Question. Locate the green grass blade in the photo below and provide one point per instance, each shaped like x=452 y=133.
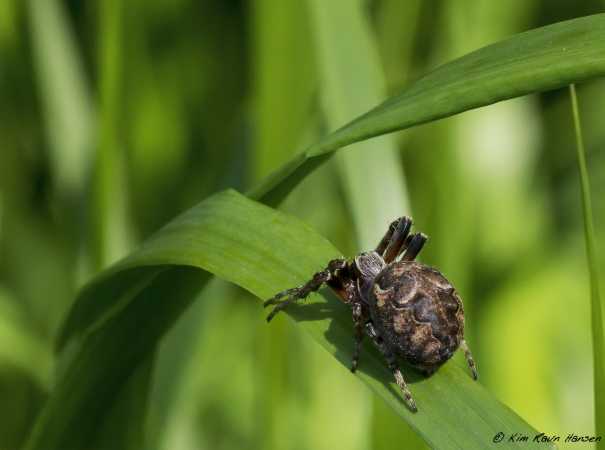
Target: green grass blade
x=110 y=236
x=284 y=96
x=345 y=69
x=598 y=339
x=64 y=95
x=20 y=347
x=234 y=238
x=538 y=60
x=111 y=228
x=397 y=26
x=284 y=81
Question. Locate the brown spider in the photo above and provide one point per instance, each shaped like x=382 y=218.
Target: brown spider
x=408 y=309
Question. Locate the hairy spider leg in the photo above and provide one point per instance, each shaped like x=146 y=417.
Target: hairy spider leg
x=359 y=320
x=413 y=245
x=397 y=239
x=382 y=245
x=386 y=239
x=299 y=293
x=469 y=358
x=392 y=363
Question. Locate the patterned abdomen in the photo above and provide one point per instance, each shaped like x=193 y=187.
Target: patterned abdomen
x=418 y=313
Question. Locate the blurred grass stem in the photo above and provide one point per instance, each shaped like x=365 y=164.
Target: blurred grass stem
x=597 y=311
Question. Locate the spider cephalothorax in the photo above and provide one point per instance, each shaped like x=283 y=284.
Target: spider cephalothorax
x=408 y=309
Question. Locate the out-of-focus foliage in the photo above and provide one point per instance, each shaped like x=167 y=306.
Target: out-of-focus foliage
x=118 y=115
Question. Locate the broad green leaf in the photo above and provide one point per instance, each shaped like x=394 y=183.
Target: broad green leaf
x=598 y=339
x=538 y=60
x=261 y=250
x=93 y=374
x=123 y=428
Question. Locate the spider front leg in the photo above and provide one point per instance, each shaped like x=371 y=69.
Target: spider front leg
x=413 y=245
x=392 y=363
x=298 y=293
x=398 y=241
x=391 y=244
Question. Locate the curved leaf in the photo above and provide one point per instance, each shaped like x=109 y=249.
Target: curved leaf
x=261 y=250
x=538 y=60
x=254 y=247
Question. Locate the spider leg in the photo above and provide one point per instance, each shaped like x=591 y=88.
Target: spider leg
x=413 y=244
x=469 y=358
x=358 y=320
x=392 y=363
x=298 y=293
x=382 y=245
x=395 y=237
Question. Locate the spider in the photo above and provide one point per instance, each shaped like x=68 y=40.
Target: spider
x=408 y=309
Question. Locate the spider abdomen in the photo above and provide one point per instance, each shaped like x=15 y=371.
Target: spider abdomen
x=418 y=313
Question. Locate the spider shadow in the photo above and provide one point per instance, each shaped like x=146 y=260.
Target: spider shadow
x=339 y=333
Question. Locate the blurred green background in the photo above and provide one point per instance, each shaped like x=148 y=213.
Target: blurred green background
x=116 y=116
